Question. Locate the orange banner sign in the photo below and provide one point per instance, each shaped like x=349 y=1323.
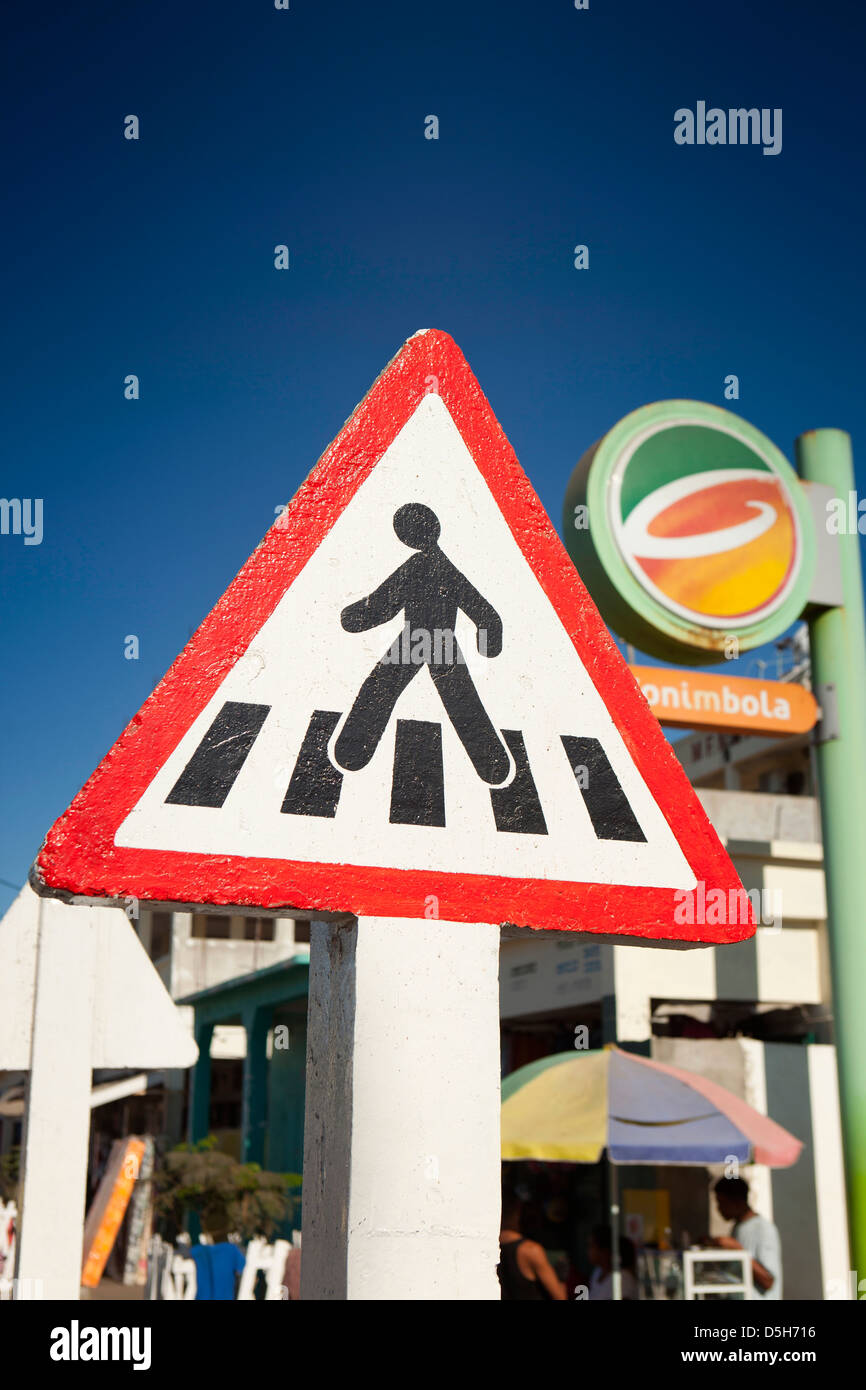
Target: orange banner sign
x=697 y=700
x=109 y=1207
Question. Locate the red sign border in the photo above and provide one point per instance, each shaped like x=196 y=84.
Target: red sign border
x=80 y=860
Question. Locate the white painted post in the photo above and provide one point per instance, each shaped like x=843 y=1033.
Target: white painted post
x=57 y=1122
x=401 y=1148
x=77 y=991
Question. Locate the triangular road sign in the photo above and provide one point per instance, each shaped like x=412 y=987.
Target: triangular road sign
x=405 y=705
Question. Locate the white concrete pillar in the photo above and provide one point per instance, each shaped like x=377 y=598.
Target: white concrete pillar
x=757 y=1175
x=401 y=1147
x=830 y=1176
x=633 y=1001
x=57 y=1126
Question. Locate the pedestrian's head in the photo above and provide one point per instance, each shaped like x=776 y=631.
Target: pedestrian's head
x=512 y=1211
x=732 y=1198
x=601 y=1245
x=417 y=526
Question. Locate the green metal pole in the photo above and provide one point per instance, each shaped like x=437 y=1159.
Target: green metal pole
x=838 y=642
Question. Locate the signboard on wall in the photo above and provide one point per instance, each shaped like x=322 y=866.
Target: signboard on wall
x=698 y=700
x=691 y=531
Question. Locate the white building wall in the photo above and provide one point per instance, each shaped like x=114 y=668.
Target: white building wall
x=830 y=1175
x=196 y=963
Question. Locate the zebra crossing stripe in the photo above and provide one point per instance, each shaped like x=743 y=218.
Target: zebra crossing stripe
x=418 y=781
x=608 y=806
x=315 y=786
x=517 y=808
x=212 y=770
x=418 y=785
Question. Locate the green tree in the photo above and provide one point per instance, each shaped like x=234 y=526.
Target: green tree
x=10 y=1175
x=227 y=1196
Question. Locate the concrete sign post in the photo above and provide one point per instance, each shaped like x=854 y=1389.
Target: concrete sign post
x=401 y=1142
x=405 y=710
x=57 y=1126
x=78 y=992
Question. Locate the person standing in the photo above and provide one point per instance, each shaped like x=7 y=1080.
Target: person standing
x=524 y=1270
x=601 y=1259
x=752 y=1233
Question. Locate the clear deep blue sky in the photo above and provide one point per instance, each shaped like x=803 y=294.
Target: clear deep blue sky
x=306 y=127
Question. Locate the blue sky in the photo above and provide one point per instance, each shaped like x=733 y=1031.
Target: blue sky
x=306 y=127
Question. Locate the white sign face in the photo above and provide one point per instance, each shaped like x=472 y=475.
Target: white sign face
x=499 y=761
x=405 y=705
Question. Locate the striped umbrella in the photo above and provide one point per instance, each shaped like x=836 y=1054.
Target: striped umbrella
x=572 y=1107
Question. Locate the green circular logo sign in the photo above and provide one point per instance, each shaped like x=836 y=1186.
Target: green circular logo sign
x=689 y=527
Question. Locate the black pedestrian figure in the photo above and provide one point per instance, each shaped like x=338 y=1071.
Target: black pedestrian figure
x=431 y=590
